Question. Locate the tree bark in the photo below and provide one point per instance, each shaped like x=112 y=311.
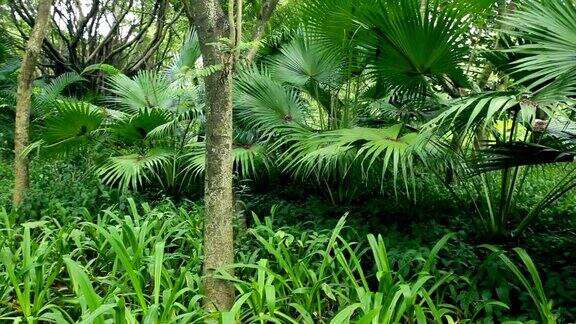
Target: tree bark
x=23 y=100
x=212 y=25
x=265 y=14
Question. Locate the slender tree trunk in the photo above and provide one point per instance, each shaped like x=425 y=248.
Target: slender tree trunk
x=265 y=14
x=212 y=25
x=23 y=100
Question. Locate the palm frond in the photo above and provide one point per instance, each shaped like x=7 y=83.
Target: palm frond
x=548 y=28
x=562 y=129
x=145 y=91
x=307 y=67
x=187 y=57
x=70 y=125
x=334 y=24
x=139 y=126
x=506 y=155
x=376 y=151
x=7 y=116
x=106 y=68
x=7 y=98
x=7 y=73
x=300 y=63
x=471 y=113
x=133 y=170
x=55 y=88
x=193 y=160
x=251 y=158
x=3 y=49
x=406 y=49
x=179 y=125
x=265 y=104
x=409 y=47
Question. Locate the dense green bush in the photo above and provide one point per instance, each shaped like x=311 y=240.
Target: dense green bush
x=58 y=187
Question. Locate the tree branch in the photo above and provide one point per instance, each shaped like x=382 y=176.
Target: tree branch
x=265 y=13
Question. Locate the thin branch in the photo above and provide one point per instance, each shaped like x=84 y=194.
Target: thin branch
x=83 y=23
x=113 y=31
x=265 y=13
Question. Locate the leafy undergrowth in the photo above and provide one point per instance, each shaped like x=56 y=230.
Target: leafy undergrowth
x=408 y=229
x=142 y=264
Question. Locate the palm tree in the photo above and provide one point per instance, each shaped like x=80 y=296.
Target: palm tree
x=343 y=101
x=153 y=123
x=526 y=125
x=150 y=119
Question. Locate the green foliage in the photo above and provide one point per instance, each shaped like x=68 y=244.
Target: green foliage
x=319 y=276
x=131 y=171
x=319 y=155
x=70 y=125
x=111 y=269
x=374 y=108
x=146 y=90
x=532 y=285
x=548 y=28
x=106 y=68
x=396 y=38
x=136 y=262
x=55 y=89
x=500 y=130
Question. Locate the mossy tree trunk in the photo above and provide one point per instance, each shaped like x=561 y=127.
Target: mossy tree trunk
x=24 y=99
x=212 y=26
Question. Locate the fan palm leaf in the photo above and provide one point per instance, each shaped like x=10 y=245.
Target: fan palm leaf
x=320 y=74
x=145 y=91
x=406 y=48
x=139 y=126
x=251 y=160
x=371 y=149
x=465 y=116
x=70 y=125
x=506 y=155
x=43 y=102
x=410 y=47
x=7 y=73
x=265 y=104
x=548 y=63
x=502 y=156
x=334 y=24
x=133 y=170
x=300 y=63
x=56 y=86
x=187 y=57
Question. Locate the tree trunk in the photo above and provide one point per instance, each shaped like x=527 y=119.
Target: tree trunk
x=265 y=14
x=212 y=25
x=23 y=100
